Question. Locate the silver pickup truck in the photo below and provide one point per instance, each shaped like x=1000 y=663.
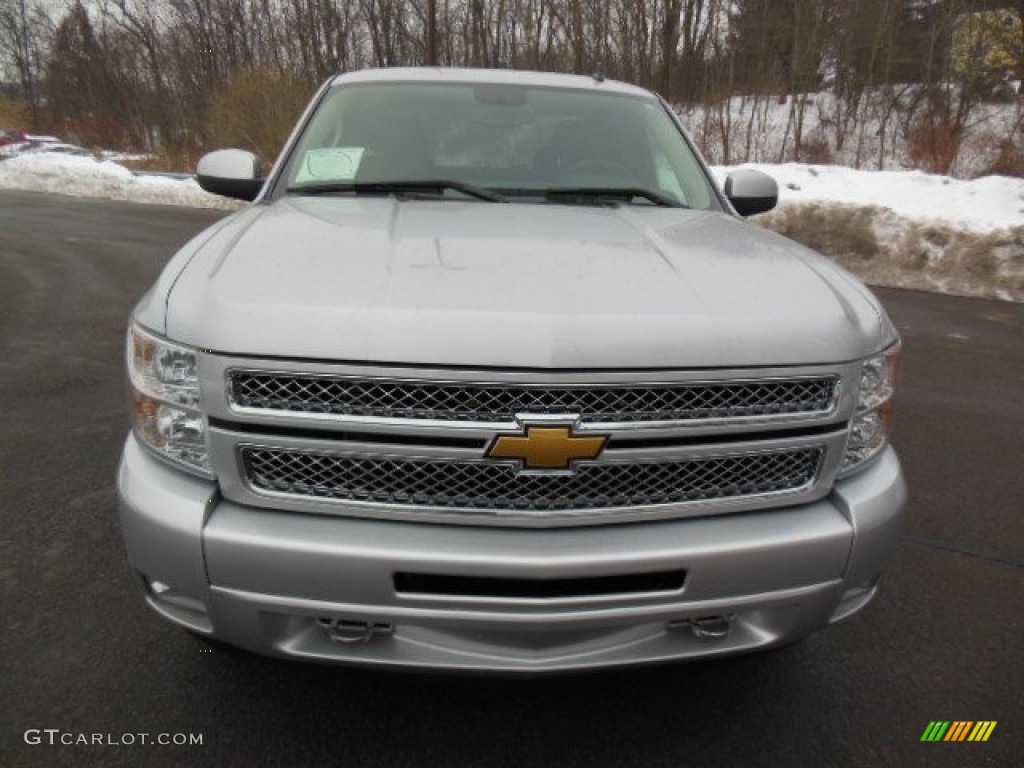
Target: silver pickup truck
x=492 y=376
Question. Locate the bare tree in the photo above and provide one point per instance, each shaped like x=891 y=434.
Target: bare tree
x=25 y=34
x=886 y=64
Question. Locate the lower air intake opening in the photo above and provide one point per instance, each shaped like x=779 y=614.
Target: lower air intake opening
x=595 y=586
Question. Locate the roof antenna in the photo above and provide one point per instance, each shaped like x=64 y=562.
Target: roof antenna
x=599 y=74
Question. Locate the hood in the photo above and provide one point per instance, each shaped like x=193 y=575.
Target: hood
x=515 y=285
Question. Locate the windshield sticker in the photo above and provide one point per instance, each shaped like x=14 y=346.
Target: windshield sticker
x=330 y=164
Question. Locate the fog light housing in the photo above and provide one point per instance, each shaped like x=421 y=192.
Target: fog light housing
x=177 y=606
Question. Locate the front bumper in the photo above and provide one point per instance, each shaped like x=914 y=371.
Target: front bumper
x=282 y=583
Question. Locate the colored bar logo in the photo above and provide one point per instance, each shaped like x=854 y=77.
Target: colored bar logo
x=958 y=730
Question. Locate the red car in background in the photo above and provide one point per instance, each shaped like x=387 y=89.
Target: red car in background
x=12 y=137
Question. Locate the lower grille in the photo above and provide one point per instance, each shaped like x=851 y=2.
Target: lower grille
x=483 y=586
x=485 y=485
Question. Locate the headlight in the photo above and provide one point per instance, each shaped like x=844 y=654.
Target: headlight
x=165 y=400
x=872 y=423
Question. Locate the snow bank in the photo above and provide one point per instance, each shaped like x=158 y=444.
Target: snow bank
x=981 y=205
x=87 y=177
x=905 y=229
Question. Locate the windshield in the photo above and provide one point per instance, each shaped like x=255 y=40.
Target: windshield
x=524 y=142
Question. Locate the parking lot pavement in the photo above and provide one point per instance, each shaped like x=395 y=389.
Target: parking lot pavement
x=81 y=654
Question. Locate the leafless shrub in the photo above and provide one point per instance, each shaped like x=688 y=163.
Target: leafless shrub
x=933 y=143
x=815 y=149
x=1009 y=159
x=97 y=131
x=14 y=113
x=255 y=110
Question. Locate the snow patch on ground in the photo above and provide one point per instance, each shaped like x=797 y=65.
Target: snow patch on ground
x=88 y=177
x=981 y=205
x=905 y=229
x=120 y=157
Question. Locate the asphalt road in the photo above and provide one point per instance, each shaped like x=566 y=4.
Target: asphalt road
x=80 y=653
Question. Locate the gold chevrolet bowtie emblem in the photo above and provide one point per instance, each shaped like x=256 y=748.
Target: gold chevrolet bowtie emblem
x=547 y=447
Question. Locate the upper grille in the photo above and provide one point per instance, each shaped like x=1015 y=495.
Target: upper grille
x=485 y=402
x=464 y=484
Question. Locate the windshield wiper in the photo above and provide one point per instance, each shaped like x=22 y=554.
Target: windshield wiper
x=611 y=193
x=396 y=187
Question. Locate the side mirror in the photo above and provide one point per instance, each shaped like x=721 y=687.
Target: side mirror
x=751 y=192
x=230 y=172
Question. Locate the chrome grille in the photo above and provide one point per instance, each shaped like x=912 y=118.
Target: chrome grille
x=482 y=485
x=480 y=402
